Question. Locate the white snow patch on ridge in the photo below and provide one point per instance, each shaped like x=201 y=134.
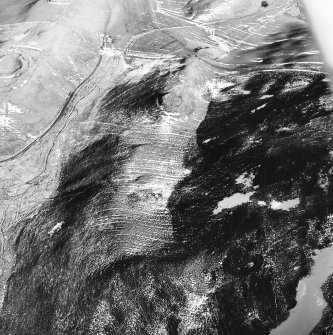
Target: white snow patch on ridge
x=285 y=205
x=246 y=179
x=266 y=96
x=233 y=201
x=55 y=229
x=261 y=107
x=262 y=203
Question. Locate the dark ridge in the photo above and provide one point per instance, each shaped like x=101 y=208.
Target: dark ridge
x=46 y=260
x=140 y=96
x=90 y=166
x=285 y=141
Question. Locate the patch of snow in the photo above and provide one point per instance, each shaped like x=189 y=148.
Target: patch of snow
x=256 y=60
x=187 y=171
x=253 y=140
x=261 y=107
x=266 y=96
x=233 y=201
x=285 y=205
x=55 y=229
x=262 y=203
x=245 y=179
x=209 y=140
x=284 y=129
